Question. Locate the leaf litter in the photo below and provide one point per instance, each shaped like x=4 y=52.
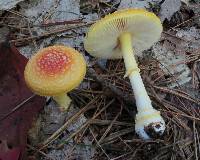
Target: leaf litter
x=101 y=123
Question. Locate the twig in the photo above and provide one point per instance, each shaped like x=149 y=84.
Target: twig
x=17 y=107
x=47 y=34
x=126 y=97
x=85 y=124
x=195 y=141
x=67 y=123
x=175 y=36
x=106 y=122
x=42 y=153
x=31 y=34
x=182 y=95
x=118 y=134
x=134 y=153
x=98 y=143
x=184 y=22
x=126 y=144
x=121 y=156
x=56 y=23
x=110 y=126
x=184 y=115
x=198 y=140
x=74 y=21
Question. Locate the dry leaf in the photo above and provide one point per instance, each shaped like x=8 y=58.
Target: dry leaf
x=168 y=8
x=15 y=121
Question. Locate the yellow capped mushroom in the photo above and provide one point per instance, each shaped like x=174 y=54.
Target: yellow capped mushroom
x=124 y=34
x=54 y=71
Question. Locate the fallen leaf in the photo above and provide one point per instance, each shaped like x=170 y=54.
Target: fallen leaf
x=137 y=3
x=8 y=4
x=8 y=154
x=46 y=11
x=18 y=106
x=172 y=63
x=168 y=8
x=12 y=154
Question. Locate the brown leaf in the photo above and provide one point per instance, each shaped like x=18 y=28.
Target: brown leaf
x=8 y=154
x=15 y=116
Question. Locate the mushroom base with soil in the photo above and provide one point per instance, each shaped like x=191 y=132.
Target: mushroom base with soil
x=147 y=118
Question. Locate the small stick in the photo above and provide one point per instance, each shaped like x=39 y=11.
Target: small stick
x=31 y=34
x=60 y=30
x=98 y=143
x=67 y=123
x=107 y=122
x=110 y=126
x=17 y=107
x=182 y=95
x=85 y=124
x=118 y=134
x=197 y=16
x=42 y=153
x=195 y=140
x=75 y=21
x=98 y=78
x=184 y=115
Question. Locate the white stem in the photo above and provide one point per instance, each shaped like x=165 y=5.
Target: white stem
x=147 y=119
x=143 y=101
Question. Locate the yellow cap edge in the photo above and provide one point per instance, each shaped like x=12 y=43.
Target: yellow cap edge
x=72 y=85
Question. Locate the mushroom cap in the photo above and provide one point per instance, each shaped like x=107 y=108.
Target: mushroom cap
x=102 y=39
x=55 y=70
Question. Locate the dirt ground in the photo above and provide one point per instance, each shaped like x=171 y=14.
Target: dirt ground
x=100 y=122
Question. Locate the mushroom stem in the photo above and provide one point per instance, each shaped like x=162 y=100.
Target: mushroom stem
x=63 y=101
x=149 y=122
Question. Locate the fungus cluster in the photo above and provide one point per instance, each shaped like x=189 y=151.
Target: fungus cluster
x=54 y=71
x=127 y=33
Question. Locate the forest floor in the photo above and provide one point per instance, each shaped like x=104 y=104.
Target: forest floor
x=100 y=122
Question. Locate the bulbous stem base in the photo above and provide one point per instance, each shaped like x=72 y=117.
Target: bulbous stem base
x=149 y=124
x=148 y=120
